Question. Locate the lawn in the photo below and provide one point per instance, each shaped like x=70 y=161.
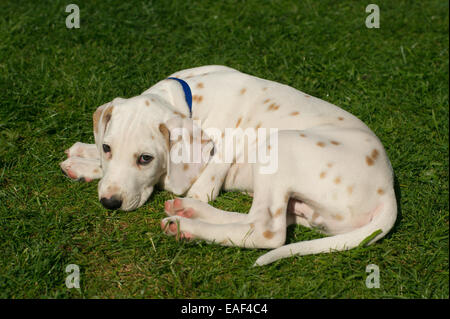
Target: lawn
x=394 y=78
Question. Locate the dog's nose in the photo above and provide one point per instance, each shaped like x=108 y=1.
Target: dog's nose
x=111 y=203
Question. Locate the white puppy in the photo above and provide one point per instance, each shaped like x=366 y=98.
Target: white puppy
x=331 y=171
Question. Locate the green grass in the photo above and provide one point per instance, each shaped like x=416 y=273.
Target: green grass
x=51 y=80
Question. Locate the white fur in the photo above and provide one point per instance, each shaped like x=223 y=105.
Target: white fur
x=333 y=172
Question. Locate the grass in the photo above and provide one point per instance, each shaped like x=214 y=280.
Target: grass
x=394 y=78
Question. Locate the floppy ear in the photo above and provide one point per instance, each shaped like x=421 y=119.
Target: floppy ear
x=190 y=150
x=101 y=118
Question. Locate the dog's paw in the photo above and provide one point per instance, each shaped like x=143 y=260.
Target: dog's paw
x=83 y=150
x=176 y=207
x=81 y=169
x=172 y=227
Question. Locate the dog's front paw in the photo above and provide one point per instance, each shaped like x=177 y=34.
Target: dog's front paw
x=81 y=169
x=172 y=227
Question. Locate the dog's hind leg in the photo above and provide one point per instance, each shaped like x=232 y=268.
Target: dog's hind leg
x=263 y=227
x=196 y=209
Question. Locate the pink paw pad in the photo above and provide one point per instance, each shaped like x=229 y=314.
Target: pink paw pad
x=187 y=213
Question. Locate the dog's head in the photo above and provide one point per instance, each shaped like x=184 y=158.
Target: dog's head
x=134 y=141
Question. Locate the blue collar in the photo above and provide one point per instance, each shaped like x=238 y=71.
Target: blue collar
x=187 y=93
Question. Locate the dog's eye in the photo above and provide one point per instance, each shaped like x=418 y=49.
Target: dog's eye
x=106 y=148
x=144 y=159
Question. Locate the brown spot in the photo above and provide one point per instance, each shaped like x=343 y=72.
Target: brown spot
x=152 y=137
x=147 y=103
x=330 y=164
x=165 y=132
x=96 y=171
x=374 y=154
x=192 y=181
x=200 y=85
x=369 y=161
x=243 y=91
x=307 y=96
x=266 y=101
x=213 y=178
x=286 y=197
x=238 y=122
x=337 y=180
x=258 y=126
x=321 y=144
x=335 y=143
x=338 y=217
x=252 y=225
x=380 y=191
x=350 y=189
x=323 y=174
x=340 y=118
x=268 y=147
x=302 y=135
x=268 y=234
x=264 y=89
x=198 y=98
x=107 y=116
x=273 y=106
x=185 y=167
x=179 y=114
x=294 y=113
x=278 y=212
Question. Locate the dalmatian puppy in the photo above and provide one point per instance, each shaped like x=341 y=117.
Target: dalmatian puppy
x=331 y=171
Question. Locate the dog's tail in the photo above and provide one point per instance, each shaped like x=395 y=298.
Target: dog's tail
x=378 y=227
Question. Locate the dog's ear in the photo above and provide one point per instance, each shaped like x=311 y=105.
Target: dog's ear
x=101 y=118
x=190 y=149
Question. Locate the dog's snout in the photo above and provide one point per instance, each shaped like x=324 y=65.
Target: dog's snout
x=113 y=202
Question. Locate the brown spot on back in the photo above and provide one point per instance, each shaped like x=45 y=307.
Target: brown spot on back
x=264 y=89
x=243 y=91
x=294 y=113
x=213 y=178
x=147 y=103
x=198 y=98
x=338 y=217
x=374 y=154
x=335 y=143
x=330 y=164
x=337 y=180
x=268 y=234
x=369 y=161
x=321 y=144
x=200 y=85
x=185 y=167
x=380 y=191
x=239 y=121
x=302 y=135
x=96 y=171
x=340 y=118
x=266 y=101
x=323 y=174
x=258 y=126
x=273 y=107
